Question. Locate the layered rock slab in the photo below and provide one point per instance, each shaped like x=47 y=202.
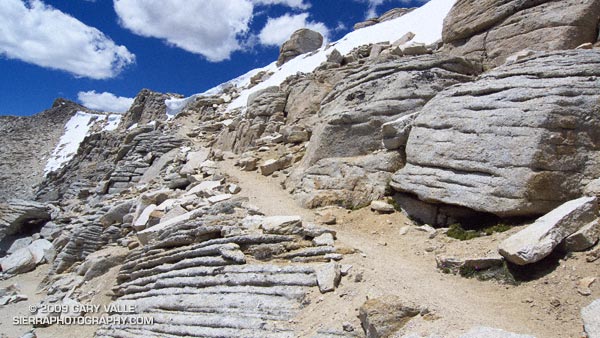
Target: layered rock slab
x=492 y=30
x=519 y=141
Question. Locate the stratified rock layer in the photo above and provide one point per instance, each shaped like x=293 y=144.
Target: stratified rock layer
x=519 y=141
x=492 y=30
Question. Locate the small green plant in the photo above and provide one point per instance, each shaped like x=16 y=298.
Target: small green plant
x=456 y=231
x=394 y=203
x=500 y=227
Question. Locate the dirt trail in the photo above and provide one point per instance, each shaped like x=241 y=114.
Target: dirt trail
x=404 y=265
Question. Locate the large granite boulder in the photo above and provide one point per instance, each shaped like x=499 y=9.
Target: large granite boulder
x=519 y=141
x=492 y=30
x=302 y=41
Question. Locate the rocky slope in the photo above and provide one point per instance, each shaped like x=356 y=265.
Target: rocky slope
x=26 y=145
x=392 y=191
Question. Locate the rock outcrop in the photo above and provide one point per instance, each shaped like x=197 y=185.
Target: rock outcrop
x=26 y=143
x=389 y=15
x=148 y=106
x=351 y=118
x=491 y=31
x=18 y=216
x=302 y=41
x=519 y=141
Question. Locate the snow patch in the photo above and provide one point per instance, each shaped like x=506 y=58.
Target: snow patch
x=425 y=22
x=76 y=129
x=112 y=122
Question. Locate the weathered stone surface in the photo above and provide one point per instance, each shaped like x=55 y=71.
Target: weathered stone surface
x=591 y=319
x=116 y=213
x=492 y=31
x=302 y=41
x=328 y=277
x=374 y=94
x=142 y=220
x=584 y=238
x=389 y=15
x=269 y=166
x=395 y=133
x=282 y=225
x=352 y=182
x=148 y=106
x=20 y=261
x=101 y=261
x=38 y=249
x=382 y=207
x=519 y=141
x=266 y=102
x=382 y=317
x=538 y=240
x=19 y=215
x=488 y=332
x=194 y=159
x=26 y=142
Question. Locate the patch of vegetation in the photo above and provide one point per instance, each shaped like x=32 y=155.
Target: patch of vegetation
x=499 y=273
x=500 y=227
x=458 y=232
x=394 y=203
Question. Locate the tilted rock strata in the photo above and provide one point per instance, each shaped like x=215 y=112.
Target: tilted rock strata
x=519 y=141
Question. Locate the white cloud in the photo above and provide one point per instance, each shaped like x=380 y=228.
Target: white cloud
x=299 y=4
x=211 y=28
x=44 y=36
x=106 y=102
x=278 y=30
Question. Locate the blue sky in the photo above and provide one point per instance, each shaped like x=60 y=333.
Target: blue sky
x=103 y=52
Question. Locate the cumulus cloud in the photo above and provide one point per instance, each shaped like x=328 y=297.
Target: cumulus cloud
x=211 y=28
x=39 y=34
x=107 y=102
x=278 y=30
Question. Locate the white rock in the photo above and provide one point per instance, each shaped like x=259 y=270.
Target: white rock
x=328 y=277
x=142 y=221
x=194 y=160
x=219 y=198
x=152 y=233
x=19 y=244
x=584 y=238
x=382 y=207
x=38 y=249
x=282 y=225
x=324 y=239
x=205 y=188
x=269 y=167
x=20 y=261
x=539 y=239
x=591 y=319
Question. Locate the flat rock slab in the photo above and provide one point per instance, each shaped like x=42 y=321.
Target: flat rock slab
x=538 y=240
